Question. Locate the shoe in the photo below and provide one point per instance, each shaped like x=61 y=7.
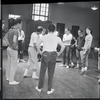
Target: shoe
x=61 y=65
x=7 y=79
x=13 y=83
x=49 y=92
x=98 y=81
x=21 y=60
x=39 y=90
x=85 y=68
x=67 y=66
x=17 y=60
x=35 y=77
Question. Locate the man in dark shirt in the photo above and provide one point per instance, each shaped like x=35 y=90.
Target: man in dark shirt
x=79 y=45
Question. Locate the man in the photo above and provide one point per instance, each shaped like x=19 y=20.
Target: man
x=67 y=37
x=12 y=51
x=32 y=51
x=21 y=37
x=86 y=50
x=98 y=49
x=79 y=44
x=49 y=54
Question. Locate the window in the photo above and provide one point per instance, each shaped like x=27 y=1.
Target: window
x=40 y=11
x=14 y=16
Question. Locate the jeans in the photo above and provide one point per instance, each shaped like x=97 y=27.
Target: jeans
x=84 y=60
x=66 y=55
x=12 y=56
x=20 y=49
x=48 y=61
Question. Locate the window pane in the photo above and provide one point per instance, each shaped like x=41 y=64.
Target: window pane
x=43 y=5
x=37 y=8
x=37 y=12
x=47 y=5
x=42 y=13
x=42 y=8
x=45 y=18
x=46 y=13
x=42 y=18
x=37 y=5
x=36 y=17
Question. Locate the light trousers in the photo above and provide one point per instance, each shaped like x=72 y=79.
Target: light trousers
x=11 y=68
x=33 y=60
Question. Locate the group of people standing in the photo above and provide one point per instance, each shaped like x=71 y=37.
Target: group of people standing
x=46 y=45
x=82 y=47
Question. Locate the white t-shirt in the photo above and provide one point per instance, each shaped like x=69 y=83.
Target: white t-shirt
x=88 y=41
x=40 y=36
x=34 y=38
x=21 y=35
x=67 y=38
x=50 y=42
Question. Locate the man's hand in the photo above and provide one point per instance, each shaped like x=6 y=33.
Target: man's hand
x=58 y=54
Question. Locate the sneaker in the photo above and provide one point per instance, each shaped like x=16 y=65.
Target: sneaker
x=39 y=90
x=7 y=79
x=61 y=65
x=85 y=68
x=13 y=83
x=21 y=60
x=49 y=92
x=77 y=66
x=67 y=66
x=98 y=81
x=35 y=77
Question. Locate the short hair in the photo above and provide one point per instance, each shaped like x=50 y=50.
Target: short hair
x=51 y=28
x=80 y=30
x=17 y=21
x=39 y=29
x=90 y=28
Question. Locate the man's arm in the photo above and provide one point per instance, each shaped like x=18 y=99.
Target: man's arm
x=62 y=47
x=38 y=46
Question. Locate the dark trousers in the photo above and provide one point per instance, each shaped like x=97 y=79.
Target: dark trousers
x=20 y=49
x=48 y=60
x=66 y=55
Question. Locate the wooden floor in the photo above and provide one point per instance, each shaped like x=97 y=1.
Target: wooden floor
x=67 y=83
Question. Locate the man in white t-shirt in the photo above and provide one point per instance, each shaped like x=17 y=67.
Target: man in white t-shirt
x=21 y=38
x=49 y=54
x=32 y=52
x=67 y=37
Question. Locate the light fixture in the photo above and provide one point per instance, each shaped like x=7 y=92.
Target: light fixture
x=94 y=8
x=60 y=3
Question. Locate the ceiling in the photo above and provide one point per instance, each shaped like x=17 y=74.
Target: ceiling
x=86 y=5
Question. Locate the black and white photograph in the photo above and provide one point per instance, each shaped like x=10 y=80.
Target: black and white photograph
x=50 y=50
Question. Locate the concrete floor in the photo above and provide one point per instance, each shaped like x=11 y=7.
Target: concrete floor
x=68 y=83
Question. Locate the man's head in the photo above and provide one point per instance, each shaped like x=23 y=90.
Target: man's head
x=39 y=29
x=18 y=23
x=67 y=31
x=80 y=32
x=51 y=28
x=88 y=30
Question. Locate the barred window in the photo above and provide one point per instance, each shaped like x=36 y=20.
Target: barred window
x=13 y=16
x=40 y=11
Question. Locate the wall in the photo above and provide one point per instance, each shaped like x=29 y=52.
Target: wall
x=60 y=14
x=74 y=16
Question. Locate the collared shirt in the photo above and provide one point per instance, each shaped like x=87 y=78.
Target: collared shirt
x=80 y=42
x=88 y=41
x=34 y=38
x=50 y=42
x=67 y=38
x=21 y=35
x=11 y=34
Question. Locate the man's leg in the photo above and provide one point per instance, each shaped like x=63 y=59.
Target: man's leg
x=51 y=69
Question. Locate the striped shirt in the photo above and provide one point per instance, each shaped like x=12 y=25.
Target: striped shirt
x=11 y=34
